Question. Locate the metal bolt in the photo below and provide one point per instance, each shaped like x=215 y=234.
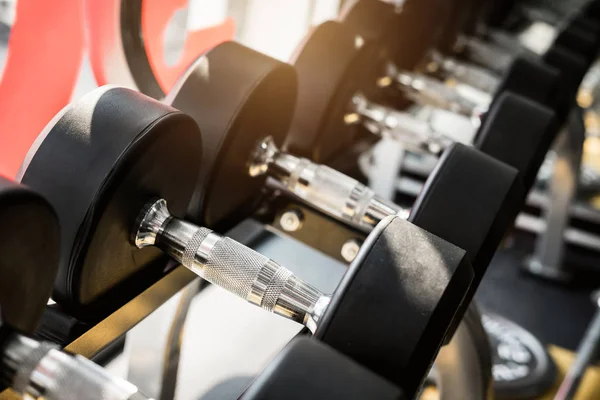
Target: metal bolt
x=291 y=220
x=350 y=249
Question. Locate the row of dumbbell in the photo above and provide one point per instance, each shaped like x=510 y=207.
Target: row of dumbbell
x=118 y=150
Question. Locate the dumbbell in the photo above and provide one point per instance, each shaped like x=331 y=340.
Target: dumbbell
x=574 y=26
x=510 y=13
x=451 y=196
x=309 y=369
x=86 y=278
x=530 y=78
x=575 y=45
x=143 y=149
x=330 y=64
x=28 y=266
x=379 y=21
x=332 y=73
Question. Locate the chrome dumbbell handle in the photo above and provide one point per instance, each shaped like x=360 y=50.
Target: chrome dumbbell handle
x=477 y=77
x=322 y=187
x=41 y=370
x=426 y=90
x=414 y=133
x=489 y=55
x=231 y=266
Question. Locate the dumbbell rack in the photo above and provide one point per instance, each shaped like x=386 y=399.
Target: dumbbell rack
x=578 y=222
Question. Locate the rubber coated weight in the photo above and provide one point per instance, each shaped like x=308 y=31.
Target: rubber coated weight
x=533 y=80
x=331 y=70
x=475 y=192
x=465 y=199
x=238 y=97
x=416 y=27
x=393 y=306
x=459 y=21
x=573 y=68
x=592 y=11
x=97 y=163
x=378 y=20
x=583 y=42
x=29 y=253
x=518 y=132
x=474 y=10
x=525 y=77
x=469 y=189
x=497 y=12
x=308 y=369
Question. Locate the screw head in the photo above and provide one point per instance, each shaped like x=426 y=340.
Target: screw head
x=291 y=220
x=350 y=249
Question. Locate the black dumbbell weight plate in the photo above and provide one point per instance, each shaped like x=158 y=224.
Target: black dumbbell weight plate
x=583 y=41
x=469 y=199
x=333 y=65
x=573 y=68
x=518 y=132
x=456 y=15
x=308 y=369
x=374 y=20
x=532 y=79
x=238 y=97
x=410 y=32
x=97 y=163
x=402 y=273
x=29 y=252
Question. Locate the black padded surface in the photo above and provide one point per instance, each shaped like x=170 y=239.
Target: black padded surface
x=497 y=12
x=331 y=70
x=307 y=369
x=518 y=132
x=572 y=68
x=29 y=253
x=580 y=40
x=409 y=34
x=458 y=18
x=237 y=96
x=532 y=79
x=393 y=307
x=98 y=163
x=374 y=20
x=473 y=191
x=476 y=193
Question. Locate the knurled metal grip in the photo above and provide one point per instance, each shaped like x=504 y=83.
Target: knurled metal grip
x=231 y=266
x=22 y=361
x=323 y=188
x=228 y=264
x=191 y=248
x=275 y=288
x=37 y=369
